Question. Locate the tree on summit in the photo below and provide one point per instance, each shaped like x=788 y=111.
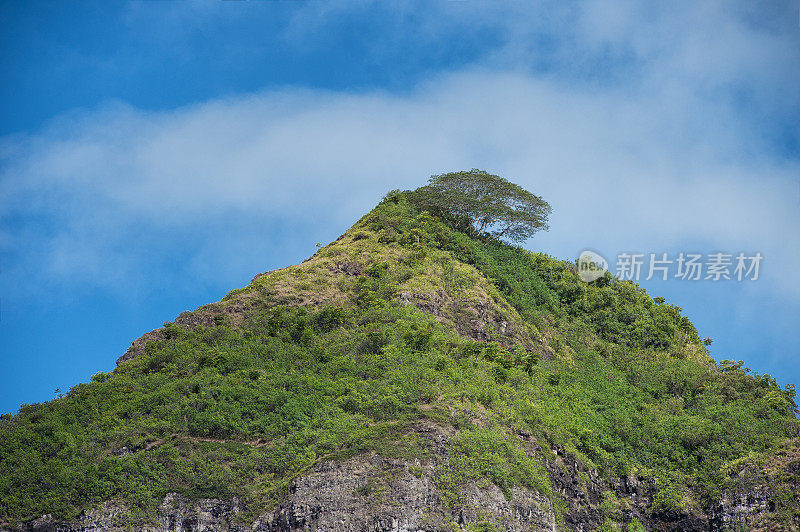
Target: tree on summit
x=477 y=201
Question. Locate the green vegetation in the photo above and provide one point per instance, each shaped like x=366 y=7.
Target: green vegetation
x=620 y=381
x=485 y=456
x=476 y=201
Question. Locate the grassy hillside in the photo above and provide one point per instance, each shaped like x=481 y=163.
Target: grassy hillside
x=402 y=319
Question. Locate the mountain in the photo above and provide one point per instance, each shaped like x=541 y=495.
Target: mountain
x=410 y=376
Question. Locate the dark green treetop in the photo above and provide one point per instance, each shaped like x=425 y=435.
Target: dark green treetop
x=486 y=204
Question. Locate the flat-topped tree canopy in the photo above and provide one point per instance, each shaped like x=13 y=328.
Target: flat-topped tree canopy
x=488 y=204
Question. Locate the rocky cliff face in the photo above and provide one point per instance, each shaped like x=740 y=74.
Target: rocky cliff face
x=364 y=493
x=372 y=493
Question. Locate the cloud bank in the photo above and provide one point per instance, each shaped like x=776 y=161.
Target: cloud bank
x=658 y=122
x=96 y=193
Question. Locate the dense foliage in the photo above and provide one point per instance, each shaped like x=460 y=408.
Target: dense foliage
x=239 y=409
x=483 y=203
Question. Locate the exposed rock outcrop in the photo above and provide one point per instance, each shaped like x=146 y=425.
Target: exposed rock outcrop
x=364 y=493
x=373 y=493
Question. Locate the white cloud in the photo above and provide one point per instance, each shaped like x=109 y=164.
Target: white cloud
x=105 y=179
x=634 y=119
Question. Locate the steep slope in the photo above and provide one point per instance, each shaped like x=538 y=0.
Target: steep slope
x=411 y=377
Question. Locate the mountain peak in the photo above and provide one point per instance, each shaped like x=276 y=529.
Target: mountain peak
x=414 y=374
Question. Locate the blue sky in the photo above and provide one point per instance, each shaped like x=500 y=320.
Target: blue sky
x=155 y=155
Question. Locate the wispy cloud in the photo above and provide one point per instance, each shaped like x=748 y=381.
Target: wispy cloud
x=669 y=122
x=88 y=193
